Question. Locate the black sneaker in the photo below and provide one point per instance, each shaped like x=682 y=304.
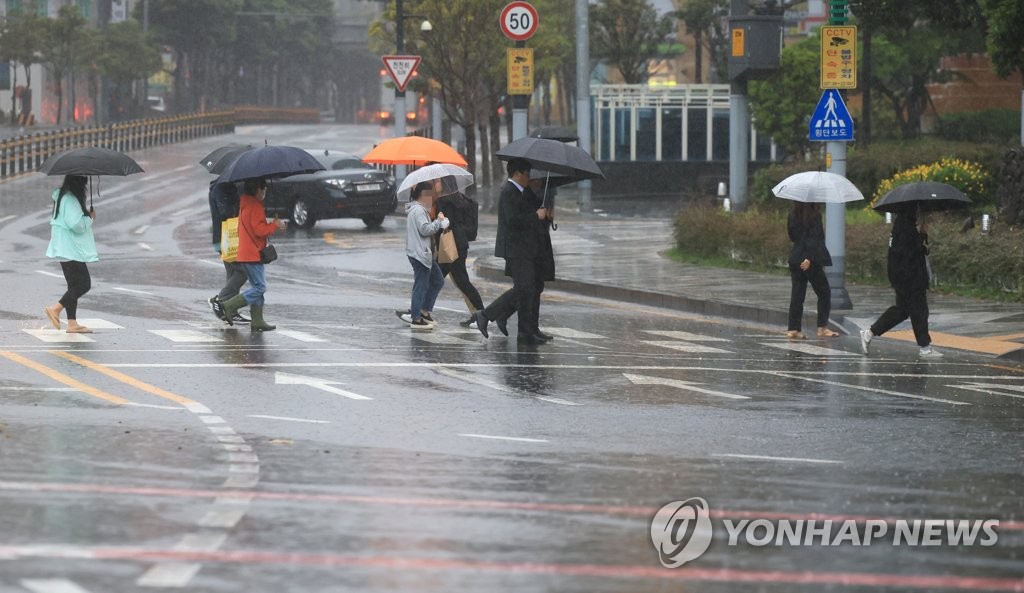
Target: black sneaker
x=428 y=318
x=217 y=308
x=469 y=322
x=239 y=318
x=421 y=325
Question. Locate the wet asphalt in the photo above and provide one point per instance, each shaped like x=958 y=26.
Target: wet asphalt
x=345 y=453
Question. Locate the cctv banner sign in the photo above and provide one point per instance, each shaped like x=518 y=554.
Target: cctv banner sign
x=520 y=70
x=838 y=57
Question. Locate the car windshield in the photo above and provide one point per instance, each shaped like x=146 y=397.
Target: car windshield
x=350 y=164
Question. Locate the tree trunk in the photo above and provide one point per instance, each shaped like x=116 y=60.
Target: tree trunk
x=698 y=56
x=470 y=129
x=495 y=146
x=14 y=106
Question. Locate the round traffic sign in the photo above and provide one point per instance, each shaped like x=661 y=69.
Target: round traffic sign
x=519 y=20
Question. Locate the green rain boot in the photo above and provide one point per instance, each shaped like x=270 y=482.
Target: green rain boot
x=231 y=306
x=258 y=324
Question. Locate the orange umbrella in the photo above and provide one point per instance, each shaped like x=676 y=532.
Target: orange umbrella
x=413 y=150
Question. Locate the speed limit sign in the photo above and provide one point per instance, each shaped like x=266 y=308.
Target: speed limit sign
x=519 y=21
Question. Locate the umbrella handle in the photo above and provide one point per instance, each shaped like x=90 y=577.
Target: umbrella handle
x=554 y=225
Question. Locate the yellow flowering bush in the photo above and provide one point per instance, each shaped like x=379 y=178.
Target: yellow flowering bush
x=967 y=176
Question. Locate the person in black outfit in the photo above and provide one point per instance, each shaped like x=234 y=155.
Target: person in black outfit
x=462 y=213
x=909 y=276
x=223 y=199
x=517 y=242
x=807 y=261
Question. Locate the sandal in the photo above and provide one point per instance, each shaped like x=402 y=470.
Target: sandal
x=794 y=334
x=79 y=329
x=824 y=332
x=53 y=317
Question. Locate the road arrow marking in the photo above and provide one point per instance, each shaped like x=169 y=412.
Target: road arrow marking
x=321 y=384
x=989 y=387
x=685 y=385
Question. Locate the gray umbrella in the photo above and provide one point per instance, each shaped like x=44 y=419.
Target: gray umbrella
x=91 y=160
x=560 y=133
x=930 y=196
x=220 y=158
x=553 y=156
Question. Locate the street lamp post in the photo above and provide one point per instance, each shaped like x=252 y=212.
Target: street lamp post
x=399 y=106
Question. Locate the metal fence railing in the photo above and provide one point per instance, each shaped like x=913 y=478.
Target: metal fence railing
x=26 y=153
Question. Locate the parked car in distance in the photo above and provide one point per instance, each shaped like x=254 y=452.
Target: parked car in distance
x=156 y=103
x=348 y=188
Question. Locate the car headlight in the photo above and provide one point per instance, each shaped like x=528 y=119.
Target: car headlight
x=391 y=179
x=338 y=183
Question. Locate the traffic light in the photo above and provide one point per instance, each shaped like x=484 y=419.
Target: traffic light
x=838 y=11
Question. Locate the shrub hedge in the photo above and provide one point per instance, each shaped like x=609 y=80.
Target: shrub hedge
x=964 y=262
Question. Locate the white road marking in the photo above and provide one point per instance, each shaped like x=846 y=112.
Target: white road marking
x=575 y=334
x=298 y=281
x=212 y=420
x=57 y=336
x=242 y=458
x=237 y=468
x=871 y=389
x=770 y=458
x=34 y=389
x=485 y=382
x=321 y=384
x=141 y=230
x=226 y=438
x=133 y=291
x=169 y=574
x=684 y=385
x=500 y=438
x=981 y=388
x=96 y=323
x=184 y=335
x=687 y=336
x=145 y=246
x=181 y=213
x=240 y=482
x=236 y=447
x=685 y=346
x=438 y=338
x=45 y=273
x=222 y=518
x=288 y=419
x=809 y=349
x=8 y=217
x=155 y=406
x=200 y=542
x=52 y=586
x=300 y=336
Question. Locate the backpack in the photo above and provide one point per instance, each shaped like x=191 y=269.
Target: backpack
x=472 y=217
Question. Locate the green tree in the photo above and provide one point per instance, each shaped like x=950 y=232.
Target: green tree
x=626 y=34
x=128 y=55
x=782 y=104
x=64 y=36
x=22 y=38
x=1005 y=35
x=704 y=20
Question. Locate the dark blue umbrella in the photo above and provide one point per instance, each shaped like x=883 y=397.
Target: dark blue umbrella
x=554 y=156
x=268 y=162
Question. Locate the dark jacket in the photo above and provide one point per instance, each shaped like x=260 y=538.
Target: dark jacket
x=223 y=199
x=517 y=224
x=462 y=214
x=546 y=254
x=908 y=248
x=808 y=237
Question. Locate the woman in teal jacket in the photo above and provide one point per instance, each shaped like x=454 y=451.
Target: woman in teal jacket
x=72 y=244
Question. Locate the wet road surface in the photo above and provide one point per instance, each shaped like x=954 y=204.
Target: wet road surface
x=345 y=453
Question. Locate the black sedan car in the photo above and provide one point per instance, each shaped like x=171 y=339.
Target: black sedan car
x=348 y=188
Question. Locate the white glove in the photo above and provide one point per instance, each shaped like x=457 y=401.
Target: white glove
x=444 y=223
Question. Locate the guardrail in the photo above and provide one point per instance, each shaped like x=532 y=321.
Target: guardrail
x=26 y=153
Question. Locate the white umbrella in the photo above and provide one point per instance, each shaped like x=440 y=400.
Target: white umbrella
x=817 y=186
x=453 y=178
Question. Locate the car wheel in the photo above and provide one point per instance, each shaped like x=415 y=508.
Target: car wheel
x=373 y=221
x=301 y=216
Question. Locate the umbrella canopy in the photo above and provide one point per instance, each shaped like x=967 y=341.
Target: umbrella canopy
x=413 y=150
x=560 y=133
x=268 y=162
x=454 y=179
x=219 y=159
x=552 y=179
x=817 y=186
x=553 y=156
x=91 y=160
x=928 y=195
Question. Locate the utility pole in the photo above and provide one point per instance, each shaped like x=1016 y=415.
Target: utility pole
x=835 y=214
x=583 y=94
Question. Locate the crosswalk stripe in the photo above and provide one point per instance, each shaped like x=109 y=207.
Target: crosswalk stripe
x=681 y=335
x=441 y=339
x=52 y=586
x=96 y=323
x=809 y=349
x=572 y=334
x=685 y=346
x=184 y=335
x=300 y=336
x=57 y=336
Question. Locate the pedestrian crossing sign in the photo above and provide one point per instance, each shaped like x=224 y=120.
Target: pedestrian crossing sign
x=831 y=120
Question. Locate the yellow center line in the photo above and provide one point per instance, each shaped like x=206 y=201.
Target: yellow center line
x=132 y=381
x=62 y=378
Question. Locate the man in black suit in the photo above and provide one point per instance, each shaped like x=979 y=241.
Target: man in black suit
x=517 y=241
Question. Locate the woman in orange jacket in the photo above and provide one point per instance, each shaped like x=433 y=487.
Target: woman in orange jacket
x=253 y=230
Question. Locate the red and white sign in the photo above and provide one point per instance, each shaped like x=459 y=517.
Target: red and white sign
x=519 y=21
x=401 y=69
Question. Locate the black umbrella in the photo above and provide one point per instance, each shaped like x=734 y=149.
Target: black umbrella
x=219 y=159
x=91 y=160
x=553 y=156
x=930 y=196
x=560 y=133
x=270 y=161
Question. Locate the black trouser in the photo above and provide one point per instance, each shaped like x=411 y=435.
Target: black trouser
x=235 y=277
x=816 y=276
x=460 y=276
x=76 y=274
x=908 y=304
x=521 y=299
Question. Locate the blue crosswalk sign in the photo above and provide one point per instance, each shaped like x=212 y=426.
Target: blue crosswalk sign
x=831 y=120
